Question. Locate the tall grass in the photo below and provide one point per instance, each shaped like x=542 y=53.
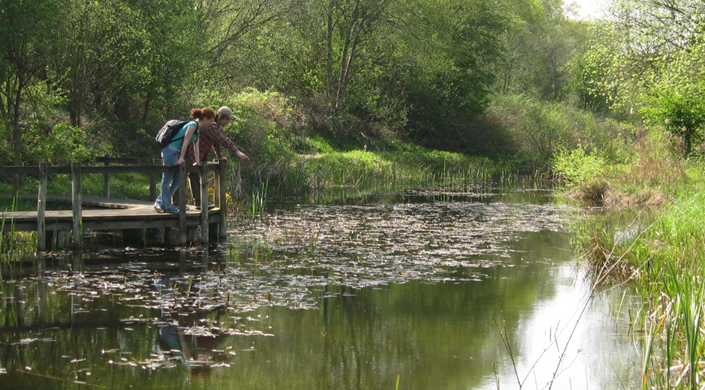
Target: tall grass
x=665 y=264
x=259 y=199
x=14 y=244
x=337 y=175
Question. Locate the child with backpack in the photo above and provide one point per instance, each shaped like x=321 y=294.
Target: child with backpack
x=175 y=143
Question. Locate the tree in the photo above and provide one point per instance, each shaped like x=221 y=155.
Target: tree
x=24 y=28
x=659 y=63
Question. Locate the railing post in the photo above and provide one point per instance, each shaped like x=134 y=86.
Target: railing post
x=76 y=201
x=41 y=208
x=222 y=200
x=153 y=182
x=182 y=205
x=152 y=187
x=216 y=185
x=204 y=202
x=106 y=181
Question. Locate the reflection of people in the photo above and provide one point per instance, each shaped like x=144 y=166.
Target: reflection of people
x=213 y=137
x=174 y=153
x=197 y=353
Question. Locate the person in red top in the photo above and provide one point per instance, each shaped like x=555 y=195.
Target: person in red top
x=213 y=137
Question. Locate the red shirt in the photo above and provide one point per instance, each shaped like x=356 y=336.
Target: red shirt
x=214 y=137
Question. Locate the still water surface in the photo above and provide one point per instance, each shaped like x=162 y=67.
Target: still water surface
x=431 y=289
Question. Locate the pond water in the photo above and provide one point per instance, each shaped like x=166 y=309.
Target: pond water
x=429 y=290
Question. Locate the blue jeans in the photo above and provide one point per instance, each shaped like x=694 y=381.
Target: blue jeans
x=170 y=180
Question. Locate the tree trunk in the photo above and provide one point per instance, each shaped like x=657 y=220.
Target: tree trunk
x=351 y=38
x=17 y=135
x=329 y=55
x=344 y=76
x=147 y=103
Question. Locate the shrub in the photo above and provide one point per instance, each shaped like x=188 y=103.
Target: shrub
x=680 y=110
x=538 y=129
x=63 y=144
x=577 y=167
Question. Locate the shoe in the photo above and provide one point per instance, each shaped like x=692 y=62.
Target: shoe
x=172 y=211
x=158 y=209
x=187 y=208
x=210 y=206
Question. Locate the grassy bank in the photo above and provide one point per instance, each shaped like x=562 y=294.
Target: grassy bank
x=651 y=171
x=659 y=254
x=663 y=260
x=360 y=171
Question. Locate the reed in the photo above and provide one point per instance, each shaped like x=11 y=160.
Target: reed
x=665 y=265
x=14 y=244
x=340 y=175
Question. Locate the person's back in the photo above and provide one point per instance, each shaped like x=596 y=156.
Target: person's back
x=178 y=140
x=174 y=153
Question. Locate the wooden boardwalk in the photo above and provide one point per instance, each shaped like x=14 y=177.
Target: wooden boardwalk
x=117 y=214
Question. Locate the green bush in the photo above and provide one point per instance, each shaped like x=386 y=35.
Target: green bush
x=680 y=110
x=576 y=167
x=66 y=144
x=538 y=129
x=62 y=144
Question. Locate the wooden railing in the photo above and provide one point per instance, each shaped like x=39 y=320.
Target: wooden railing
x=130 y=161
x=76 y=170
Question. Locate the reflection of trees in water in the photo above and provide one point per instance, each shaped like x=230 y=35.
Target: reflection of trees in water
x=63 y=334
x=364 y=331
x=360 y=338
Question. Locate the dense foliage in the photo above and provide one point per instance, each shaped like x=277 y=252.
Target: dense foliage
x=420 y=71
x=507 y=79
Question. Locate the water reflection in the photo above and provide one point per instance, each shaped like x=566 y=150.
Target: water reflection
x=422 y=290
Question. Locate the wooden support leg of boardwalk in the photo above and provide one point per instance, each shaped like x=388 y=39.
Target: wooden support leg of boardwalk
x=76 y=201
x=182 y=206
x=222 y=200
x=152 y=187
x=106 y=182
x=204 y=204
x=41 y=208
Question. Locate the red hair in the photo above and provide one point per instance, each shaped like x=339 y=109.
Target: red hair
x=201 y=113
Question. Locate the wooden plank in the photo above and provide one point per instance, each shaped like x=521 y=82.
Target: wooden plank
x=152 y=187
x=106 y=182
x=222 y=200
x=53 y=170
x=18 y=170
x=138 y=212
x=128 y=169
x=62 y=220
x=140 y=224
x=77 y=205
x=204 y=204
x=96 y=201
x=120 y=160
x=41 y=208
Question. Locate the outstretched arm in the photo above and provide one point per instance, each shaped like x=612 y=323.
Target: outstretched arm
x=187 y=138
x=222 y=141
